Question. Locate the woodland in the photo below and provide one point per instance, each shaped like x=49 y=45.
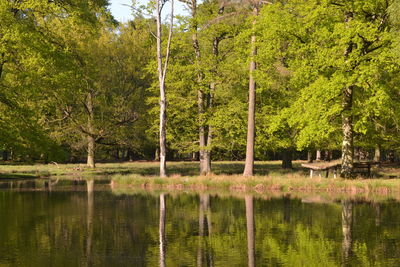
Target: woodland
x=232 y=80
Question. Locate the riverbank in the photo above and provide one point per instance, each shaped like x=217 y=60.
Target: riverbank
x=288 y=183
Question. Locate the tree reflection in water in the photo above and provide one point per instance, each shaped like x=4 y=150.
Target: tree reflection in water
x=74 y=228
x=250 y=230
x=89 y=221
x=204 y=250
x=162 y=230
x=347 y=225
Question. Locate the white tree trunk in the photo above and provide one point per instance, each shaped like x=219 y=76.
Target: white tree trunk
x=162 y=71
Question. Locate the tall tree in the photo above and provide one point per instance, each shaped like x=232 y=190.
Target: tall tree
x=162 y=71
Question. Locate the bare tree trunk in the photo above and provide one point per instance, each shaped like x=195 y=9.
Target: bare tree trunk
x=250 y=230
x=163 y=133
x=347 y=224
x=90 y=137
x=377 y=155
x=347 y=126
x=162 y=71
x=249 y=165
x=162 y=230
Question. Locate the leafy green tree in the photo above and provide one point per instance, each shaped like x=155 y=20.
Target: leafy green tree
x=32 y=56
x=340 y=62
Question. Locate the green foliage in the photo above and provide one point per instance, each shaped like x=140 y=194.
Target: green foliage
x=54 y=53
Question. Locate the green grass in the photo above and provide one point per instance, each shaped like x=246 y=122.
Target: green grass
x=142 y=169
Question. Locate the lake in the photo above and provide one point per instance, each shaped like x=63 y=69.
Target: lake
x=88 y=224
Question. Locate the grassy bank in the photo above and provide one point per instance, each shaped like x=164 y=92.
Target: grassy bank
x=286 y=183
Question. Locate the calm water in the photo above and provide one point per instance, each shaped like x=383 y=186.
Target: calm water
x=86 y=225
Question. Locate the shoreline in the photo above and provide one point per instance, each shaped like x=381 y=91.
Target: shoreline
x=261 y=184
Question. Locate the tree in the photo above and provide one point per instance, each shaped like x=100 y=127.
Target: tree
x=249 y=164
x=339 y=58
x=162 y=71
x=34 y=68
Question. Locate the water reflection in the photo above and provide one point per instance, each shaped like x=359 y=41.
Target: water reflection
x=162 y=230
x=89 y=221
x=347 y=225
x=86 y=227
x=250 y=230
x=204 y=252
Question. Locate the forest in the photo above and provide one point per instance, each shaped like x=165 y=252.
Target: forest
x=232 y=80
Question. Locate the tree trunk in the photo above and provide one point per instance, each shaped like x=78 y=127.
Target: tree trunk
x=207 y=154
x=287 y=156
x=5 y=155
x=90 y=137
x=207 y=162
x=347 y=224
x=90 y=154
x=347 y=126
x=377 y=155
x=162 y=230
x=202 y=133
x=249 y=165
x=162 y=71
x=201 y=99
x=309 y=157
x=250 y=230
x=163 y=134
x=328 y=155
x=318 y=155
x=2 y=62
x=357 y=154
